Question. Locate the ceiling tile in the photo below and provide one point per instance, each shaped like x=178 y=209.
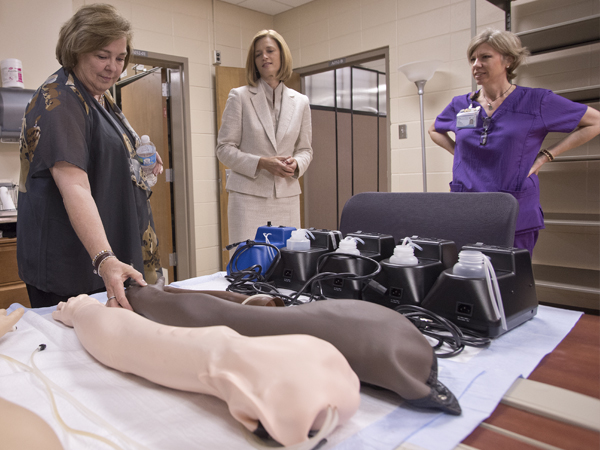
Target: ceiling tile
x=271 y=7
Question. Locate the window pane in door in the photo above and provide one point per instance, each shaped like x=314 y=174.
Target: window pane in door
x=320 y=89
x=382 y=95
x=364 y=90
x=343 y=88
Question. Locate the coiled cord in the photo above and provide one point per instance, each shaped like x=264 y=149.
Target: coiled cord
x=243 y=281
x=442 y=330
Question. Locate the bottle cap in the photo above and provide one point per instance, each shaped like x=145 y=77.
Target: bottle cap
x=145 y=139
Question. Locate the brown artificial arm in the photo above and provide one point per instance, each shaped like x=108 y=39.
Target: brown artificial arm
x=383 y=347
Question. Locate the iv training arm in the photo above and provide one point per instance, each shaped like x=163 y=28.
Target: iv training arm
x=285 y=382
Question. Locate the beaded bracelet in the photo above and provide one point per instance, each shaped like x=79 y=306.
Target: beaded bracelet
x=102 y=262
x=548 y=154
x=100 y=258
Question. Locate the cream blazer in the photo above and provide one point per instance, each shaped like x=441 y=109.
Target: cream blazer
x=247 y=133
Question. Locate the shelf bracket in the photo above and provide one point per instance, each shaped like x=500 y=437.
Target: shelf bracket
x=504 y=5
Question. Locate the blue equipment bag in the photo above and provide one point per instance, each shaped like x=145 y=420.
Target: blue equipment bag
x=247 y=256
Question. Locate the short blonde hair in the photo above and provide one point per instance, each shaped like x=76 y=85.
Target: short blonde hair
x=91 y=28
x=504 y=42
x=285 y=71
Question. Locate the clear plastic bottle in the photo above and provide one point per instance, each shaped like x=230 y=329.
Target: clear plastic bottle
x=299 y=240
x=470 y=264
x=348 y=245
x=146 y=155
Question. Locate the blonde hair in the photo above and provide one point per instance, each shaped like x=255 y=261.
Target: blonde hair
x=504 y=42
x=91 y=28
x=285 y=71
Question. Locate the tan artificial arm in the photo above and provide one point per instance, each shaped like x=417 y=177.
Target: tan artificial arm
x=285 y=382
x=7 y=322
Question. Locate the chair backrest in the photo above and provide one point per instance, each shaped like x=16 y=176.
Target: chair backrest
x=462 y=217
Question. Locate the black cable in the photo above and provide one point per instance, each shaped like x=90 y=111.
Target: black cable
x=443 y=330
x=316 y=290
x=242 y=281
x=249 y=281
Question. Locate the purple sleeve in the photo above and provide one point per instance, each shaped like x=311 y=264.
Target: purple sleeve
x=559 y=114
x=446 y=121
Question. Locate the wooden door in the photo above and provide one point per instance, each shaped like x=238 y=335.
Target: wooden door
x=145 y=107
x=226 y=79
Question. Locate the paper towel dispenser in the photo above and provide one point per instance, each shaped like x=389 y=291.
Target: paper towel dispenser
x=12 y=107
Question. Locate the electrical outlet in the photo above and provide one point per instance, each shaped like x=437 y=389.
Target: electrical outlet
x=402 y=132
x=217 y=57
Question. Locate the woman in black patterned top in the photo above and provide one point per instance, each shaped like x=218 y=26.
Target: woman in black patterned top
x=82 y=193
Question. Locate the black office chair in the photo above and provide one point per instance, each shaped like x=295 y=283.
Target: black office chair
x=462 y=217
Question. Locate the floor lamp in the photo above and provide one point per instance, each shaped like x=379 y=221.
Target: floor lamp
x=420 y=72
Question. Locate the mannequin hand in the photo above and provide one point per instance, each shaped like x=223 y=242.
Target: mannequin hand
x=8 y=322
x=66 y=310
x=114 y=273
x=280 y=166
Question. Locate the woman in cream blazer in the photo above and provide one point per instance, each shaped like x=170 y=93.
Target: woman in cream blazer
x=265 y=139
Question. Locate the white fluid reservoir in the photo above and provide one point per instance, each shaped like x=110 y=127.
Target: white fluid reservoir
x=404 y=255
x=348 y=245
x=470 y=264
x=299 y=240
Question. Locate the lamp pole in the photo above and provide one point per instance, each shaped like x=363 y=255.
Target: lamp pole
x=419 y=72
x=420 y=86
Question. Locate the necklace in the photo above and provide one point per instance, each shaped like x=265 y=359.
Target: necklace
x=101 y=101
x=490 y=103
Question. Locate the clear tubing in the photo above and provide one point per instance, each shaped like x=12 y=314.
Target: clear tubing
x=49 y=385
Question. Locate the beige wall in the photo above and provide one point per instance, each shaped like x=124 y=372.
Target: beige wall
x=316 y=32
x=174 y=27
x=413 y=30
x=32 y=39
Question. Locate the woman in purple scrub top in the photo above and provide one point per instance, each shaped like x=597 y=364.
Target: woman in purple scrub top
x=499 y=130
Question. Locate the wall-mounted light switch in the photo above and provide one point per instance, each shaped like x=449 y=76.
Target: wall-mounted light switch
x=401 y=131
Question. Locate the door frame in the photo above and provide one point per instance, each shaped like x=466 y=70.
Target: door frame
x=181 y=138
x=353 y=60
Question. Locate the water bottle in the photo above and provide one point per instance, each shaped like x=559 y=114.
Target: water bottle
x=348 y=245
x=299 y=240
x=146 y=155
x=470 y=264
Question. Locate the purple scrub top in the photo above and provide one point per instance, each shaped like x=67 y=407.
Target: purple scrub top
x=514 y=137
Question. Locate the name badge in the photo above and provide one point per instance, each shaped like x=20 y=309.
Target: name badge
x=467 y=118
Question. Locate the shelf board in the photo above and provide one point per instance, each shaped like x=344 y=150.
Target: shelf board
x=563 y=35
x=587 y=94
x=577 y=220
x=567 y=278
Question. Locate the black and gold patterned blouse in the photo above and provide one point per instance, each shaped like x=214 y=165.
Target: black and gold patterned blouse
x=63 y=122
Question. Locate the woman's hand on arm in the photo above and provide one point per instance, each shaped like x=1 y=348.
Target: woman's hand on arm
x=158 y=168
x=83 y=213
x=588 y=128
x=442 y=139
x=280 y=166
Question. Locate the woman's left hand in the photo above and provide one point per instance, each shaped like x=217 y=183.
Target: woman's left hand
x=280 y=166
x=158 y=168
x=540 y=160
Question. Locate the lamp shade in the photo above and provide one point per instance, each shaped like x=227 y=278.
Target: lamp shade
x=420 y=70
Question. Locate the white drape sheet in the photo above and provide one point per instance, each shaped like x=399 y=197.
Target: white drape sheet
x=162 y=419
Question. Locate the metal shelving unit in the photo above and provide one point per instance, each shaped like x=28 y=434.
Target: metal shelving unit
x=574 y=33
x=560 y=284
